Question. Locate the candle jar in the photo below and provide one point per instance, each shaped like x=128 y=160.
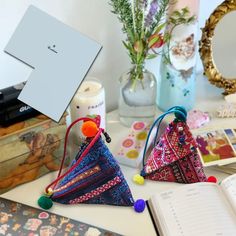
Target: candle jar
x=89 y=100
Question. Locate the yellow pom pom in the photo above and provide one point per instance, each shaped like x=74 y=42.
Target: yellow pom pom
x=49 y=192
x=138 y=179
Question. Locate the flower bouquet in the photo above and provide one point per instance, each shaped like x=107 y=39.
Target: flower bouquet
x=143 y=23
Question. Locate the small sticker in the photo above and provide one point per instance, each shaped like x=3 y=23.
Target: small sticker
x=138 y=125
x=32 y=224
x=127 y=143
x=132 y=154
x=43 y=215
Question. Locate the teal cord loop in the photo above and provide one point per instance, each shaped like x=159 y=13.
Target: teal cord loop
x=180 y=114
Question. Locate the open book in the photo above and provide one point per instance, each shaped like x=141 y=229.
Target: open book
x=205 y=209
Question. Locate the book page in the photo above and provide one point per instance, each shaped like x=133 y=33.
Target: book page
x=228 y=186
x=196 y=209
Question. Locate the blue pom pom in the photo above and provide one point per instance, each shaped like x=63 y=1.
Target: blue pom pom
x=139 y=205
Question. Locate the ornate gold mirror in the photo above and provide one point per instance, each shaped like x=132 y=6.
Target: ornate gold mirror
x=218 y=47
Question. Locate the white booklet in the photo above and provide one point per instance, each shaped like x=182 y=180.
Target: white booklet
x=200 y=209
x=61 y=58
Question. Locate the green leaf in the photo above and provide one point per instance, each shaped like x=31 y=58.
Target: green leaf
x=153 y=41
x=185 y=10
x=172 y=20
x=191 y=19
x=167 y=37
x=130 y=48
x=139 y=57
x=151 y=56
x=176 y=13
x=159 y=28
x=126 y=45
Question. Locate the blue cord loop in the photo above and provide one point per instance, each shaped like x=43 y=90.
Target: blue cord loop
x=142 y=173
x=180 y=114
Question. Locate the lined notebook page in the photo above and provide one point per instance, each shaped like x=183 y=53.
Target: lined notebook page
x=194 y=210
x=229 y=187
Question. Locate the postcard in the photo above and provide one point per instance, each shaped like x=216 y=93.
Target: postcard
x=217 y=147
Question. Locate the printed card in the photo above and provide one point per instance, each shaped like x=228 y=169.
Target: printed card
x=217 y=147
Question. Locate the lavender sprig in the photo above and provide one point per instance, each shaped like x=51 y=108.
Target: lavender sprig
x=138 y=15
x=143 y=4
x=151 y=13
x=123 y=9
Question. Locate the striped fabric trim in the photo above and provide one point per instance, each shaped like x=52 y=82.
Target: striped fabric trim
x=84 y=175
x=97 y=191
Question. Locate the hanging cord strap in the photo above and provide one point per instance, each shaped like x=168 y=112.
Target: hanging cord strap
x=96 y=137
x=158 y=127
x=180 y=113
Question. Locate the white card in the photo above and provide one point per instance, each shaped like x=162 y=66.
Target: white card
x=61 y=58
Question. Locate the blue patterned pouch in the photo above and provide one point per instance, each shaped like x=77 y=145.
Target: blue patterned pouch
x=94 y=176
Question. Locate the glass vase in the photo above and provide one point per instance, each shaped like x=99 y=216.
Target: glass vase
x=175 y=87
x=176 y=84
x=137 y=100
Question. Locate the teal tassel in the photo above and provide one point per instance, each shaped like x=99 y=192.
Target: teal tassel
x=45 y=202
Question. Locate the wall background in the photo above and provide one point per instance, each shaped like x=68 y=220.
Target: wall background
x=91 y=17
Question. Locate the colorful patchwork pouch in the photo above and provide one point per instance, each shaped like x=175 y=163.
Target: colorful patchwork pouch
x=94 y=177
x=174 y=157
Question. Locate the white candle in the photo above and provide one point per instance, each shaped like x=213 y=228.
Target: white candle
x=89 y=100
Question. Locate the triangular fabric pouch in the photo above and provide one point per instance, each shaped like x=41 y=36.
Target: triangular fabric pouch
x=174 y=157
x=94 y=176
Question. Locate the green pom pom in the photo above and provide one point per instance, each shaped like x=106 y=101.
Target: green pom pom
x=45 y=202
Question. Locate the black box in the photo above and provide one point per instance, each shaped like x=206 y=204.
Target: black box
x=11 y=109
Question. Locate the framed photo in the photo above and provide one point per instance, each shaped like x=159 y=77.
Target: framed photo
x=217 y=147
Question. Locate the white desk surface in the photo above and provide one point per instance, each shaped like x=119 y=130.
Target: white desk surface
x=122 y=220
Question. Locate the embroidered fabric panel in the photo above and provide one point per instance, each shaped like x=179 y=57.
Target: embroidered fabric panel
x=99 y=155
x=185 y=170
x=85 y=185
x=79 y=177
x=96 y=192
x=175 y=157
x=79 y=183
x=198 y=167
x=169 y=148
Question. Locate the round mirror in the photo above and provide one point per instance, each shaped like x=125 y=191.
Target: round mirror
x=218 y=49
x=224 y=46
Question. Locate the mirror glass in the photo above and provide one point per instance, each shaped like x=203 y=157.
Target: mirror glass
x=224 y=46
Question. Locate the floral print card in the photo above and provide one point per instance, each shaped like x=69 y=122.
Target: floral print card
x=130 y=148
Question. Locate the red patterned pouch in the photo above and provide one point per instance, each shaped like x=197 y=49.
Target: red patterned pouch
x=174 y=157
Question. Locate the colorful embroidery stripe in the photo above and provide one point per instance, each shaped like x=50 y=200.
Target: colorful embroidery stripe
x=84 y=175
x=97 y=191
